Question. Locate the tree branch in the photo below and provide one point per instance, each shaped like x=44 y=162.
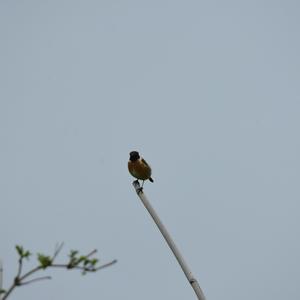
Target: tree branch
x=85 y=263
x=36 y=279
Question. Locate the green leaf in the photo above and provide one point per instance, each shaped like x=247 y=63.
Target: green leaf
x=20 y=250
x=86 y=262
x=26 y=254
x=81 y=259
x=22 y=253
x=73 y=253
x=45 y=261
x=94 y=261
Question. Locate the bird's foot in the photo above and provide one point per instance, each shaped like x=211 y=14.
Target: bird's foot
x=139 y=190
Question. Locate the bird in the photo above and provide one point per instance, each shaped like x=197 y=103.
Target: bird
x=138 y=167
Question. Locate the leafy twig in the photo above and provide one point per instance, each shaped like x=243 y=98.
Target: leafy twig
x=84 y=263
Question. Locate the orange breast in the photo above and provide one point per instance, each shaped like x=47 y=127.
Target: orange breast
x=139 y=170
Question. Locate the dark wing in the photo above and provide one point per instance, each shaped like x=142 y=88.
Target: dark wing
x=149 y=169
x=145 y=162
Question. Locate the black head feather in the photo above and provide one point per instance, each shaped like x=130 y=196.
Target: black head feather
x=134 y=155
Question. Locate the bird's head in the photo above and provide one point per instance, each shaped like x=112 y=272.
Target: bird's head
x=134 y=155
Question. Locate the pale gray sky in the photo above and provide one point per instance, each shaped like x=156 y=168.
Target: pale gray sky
x=207 y=91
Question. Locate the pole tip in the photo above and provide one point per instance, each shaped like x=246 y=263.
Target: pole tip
x=137 y=187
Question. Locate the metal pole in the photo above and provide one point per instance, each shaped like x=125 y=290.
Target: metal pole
x=186 y=270
x=1 y=277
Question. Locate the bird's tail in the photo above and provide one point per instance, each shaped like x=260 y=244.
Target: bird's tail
x=151 y=179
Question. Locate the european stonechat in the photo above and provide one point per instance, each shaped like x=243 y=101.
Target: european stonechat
x=138 y=167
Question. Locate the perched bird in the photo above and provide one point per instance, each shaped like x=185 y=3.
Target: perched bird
x=138 y=167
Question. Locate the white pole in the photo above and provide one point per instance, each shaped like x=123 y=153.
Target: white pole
x=1 y=277
x=192 y=280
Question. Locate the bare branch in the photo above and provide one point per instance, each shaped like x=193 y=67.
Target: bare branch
x=92 y=253
x=20 y=264
x=36 y=279
x=106 y=265
x=30 y=273
x=57 y=250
